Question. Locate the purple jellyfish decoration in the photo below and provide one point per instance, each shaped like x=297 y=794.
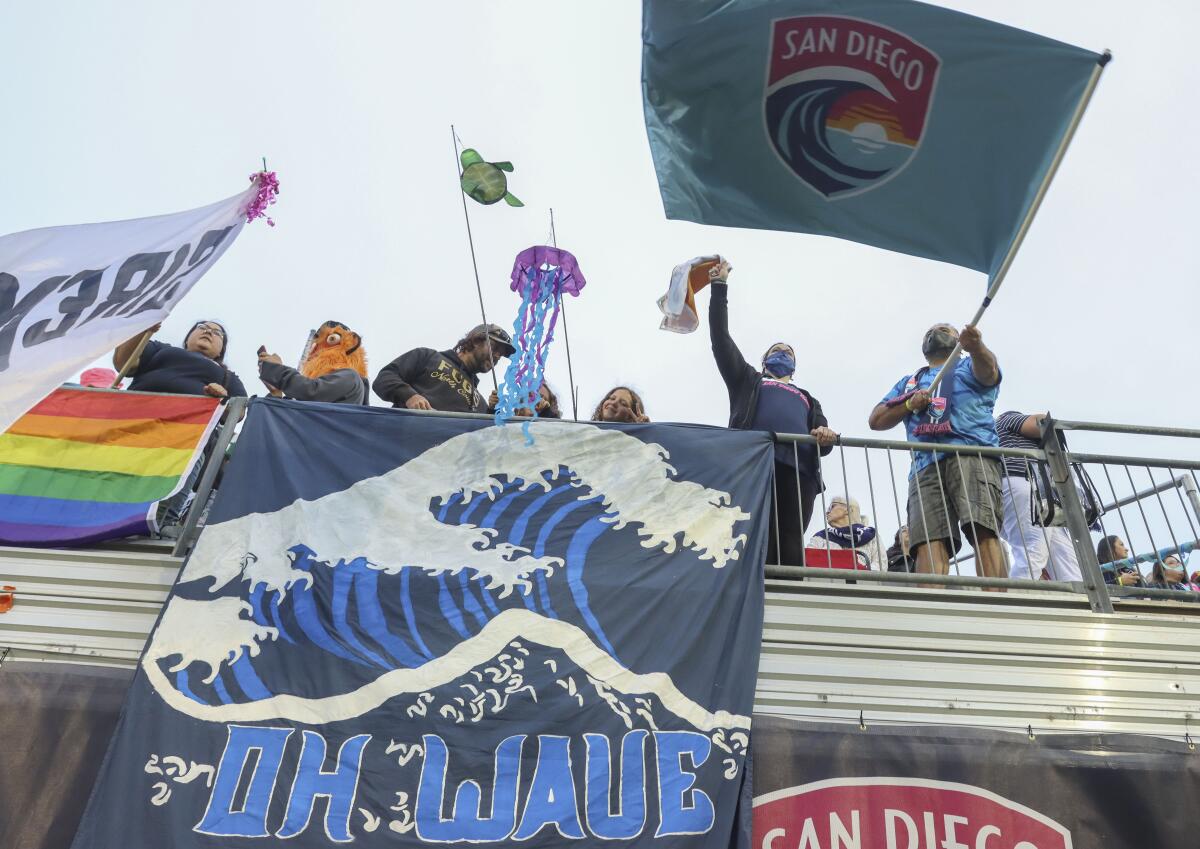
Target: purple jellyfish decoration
x=541 y=275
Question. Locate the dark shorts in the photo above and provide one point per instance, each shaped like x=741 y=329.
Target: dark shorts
x=957 y=491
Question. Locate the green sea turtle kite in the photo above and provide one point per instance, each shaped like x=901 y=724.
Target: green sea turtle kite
x=485 y=181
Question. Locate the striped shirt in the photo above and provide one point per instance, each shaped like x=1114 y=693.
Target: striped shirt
x=1008 y=428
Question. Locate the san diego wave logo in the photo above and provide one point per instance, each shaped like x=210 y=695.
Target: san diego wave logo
x=847 y=101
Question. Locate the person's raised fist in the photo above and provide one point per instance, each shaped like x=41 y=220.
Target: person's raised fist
x=918 y=401
x=719 y=273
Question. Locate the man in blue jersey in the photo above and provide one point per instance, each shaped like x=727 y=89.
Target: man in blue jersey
x=947 y=491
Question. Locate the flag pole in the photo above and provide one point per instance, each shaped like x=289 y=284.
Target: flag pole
x=562 y=305
x=131 y=359
x=1002 y=271
x=474 y=264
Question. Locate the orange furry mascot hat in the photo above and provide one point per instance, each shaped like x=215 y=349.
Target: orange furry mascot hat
x=333 y=346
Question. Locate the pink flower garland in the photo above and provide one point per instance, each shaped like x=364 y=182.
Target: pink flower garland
x=268 y=189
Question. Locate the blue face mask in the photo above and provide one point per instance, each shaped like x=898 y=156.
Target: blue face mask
x=780 y=364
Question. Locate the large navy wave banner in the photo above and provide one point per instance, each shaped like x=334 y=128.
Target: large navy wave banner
x=406 y=630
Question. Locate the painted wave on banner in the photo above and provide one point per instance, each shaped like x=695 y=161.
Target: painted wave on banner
x=401 y=630
x=380 y=537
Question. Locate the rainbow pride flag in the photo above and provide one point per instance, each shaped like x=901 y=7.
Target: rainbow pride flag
x=87 y=465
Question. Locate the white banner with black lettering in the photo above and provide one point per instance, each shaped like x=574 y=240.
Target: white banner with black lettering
x=69 y=295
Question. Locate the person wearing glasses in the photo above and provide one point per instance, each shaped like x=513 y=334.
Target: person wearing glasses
x=846 y=528
x=196 y=368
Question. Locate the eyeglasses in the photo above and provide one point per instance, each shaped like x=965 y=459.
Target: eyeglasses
x=212 y=328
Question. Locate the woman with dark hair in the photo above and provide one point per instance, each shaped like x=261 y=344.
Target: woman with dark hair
x=1112 y=550
x=546 y=406
x=766 y=396
x=196 y=368
x=1169 y=574
x=620 y=404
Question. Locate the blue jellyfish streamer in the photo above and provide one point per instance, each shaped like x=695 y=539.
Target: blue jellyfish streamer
x=541 y=275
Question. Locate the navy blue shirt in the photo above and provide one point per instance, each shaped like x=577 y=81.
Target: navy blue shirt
x=782 y=408
x=166 y=368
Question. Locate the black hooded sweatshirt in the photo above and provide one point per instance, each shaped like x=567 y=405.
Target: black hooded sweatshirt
x=439 y=376
x=743 y=380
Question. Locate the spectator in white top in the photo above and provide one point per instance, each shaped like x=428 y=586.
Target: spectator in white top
x=846 y=528
x=1034 y=548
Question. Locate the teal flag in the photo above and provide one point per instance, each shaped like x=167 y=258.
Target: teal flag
x=888 y=122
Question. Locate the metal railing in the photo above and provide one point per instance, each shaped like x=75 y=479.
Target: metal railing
x=1153 y=504
x=869 y=468
x=877 y=471
x=235 y=408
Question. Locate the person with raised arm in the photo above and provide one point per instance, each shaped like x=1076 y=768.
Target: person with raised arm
x=947 y=490
x=767 y=398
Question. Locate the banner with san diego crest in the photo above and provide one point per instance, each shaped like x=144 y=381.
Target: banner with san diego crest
x=401 y=630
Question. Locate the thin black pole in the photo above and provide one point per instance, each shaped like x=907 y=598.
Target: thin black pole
x=474 y=264
x=562 y=305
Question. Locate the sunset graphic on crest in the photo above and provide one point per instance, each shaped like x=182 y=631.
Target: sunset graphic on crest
x=844 y=116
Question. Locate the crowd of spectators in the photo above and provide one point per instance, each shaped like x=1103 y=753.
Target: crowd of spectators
x=951 y=493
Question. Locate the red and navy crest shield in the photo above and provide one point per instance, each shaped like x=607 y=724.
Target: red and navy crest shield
x=846 y=101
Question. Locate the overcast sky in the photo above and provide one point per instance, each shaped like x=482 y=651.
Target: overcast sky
x=139 y=108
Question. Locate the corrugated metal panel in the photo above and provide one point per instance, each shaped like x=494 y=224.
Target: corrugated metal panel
x=830 y=650
x=947 y=657
x=85 y=605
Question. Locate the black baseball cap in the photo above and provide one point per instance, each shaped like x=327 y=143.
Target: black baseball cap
x=499 y=337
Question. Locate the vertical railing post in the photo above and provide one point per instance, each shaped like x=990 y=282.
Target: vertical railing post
x=1193 y=494
x=1081 y=538
x=234 y=408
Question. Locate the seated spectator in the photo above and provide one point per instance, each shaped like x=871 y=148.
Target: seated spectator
x=547 y=404
x=769 y=399
x=898 y=559
x=845 y=528
x=621 y=404
x=425 y=379
x=1169 y=574
x=197 y=368
x=1038 y=553
x=334 y=368
x=949 y=491
x=1112 y=553
x=98 y=378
